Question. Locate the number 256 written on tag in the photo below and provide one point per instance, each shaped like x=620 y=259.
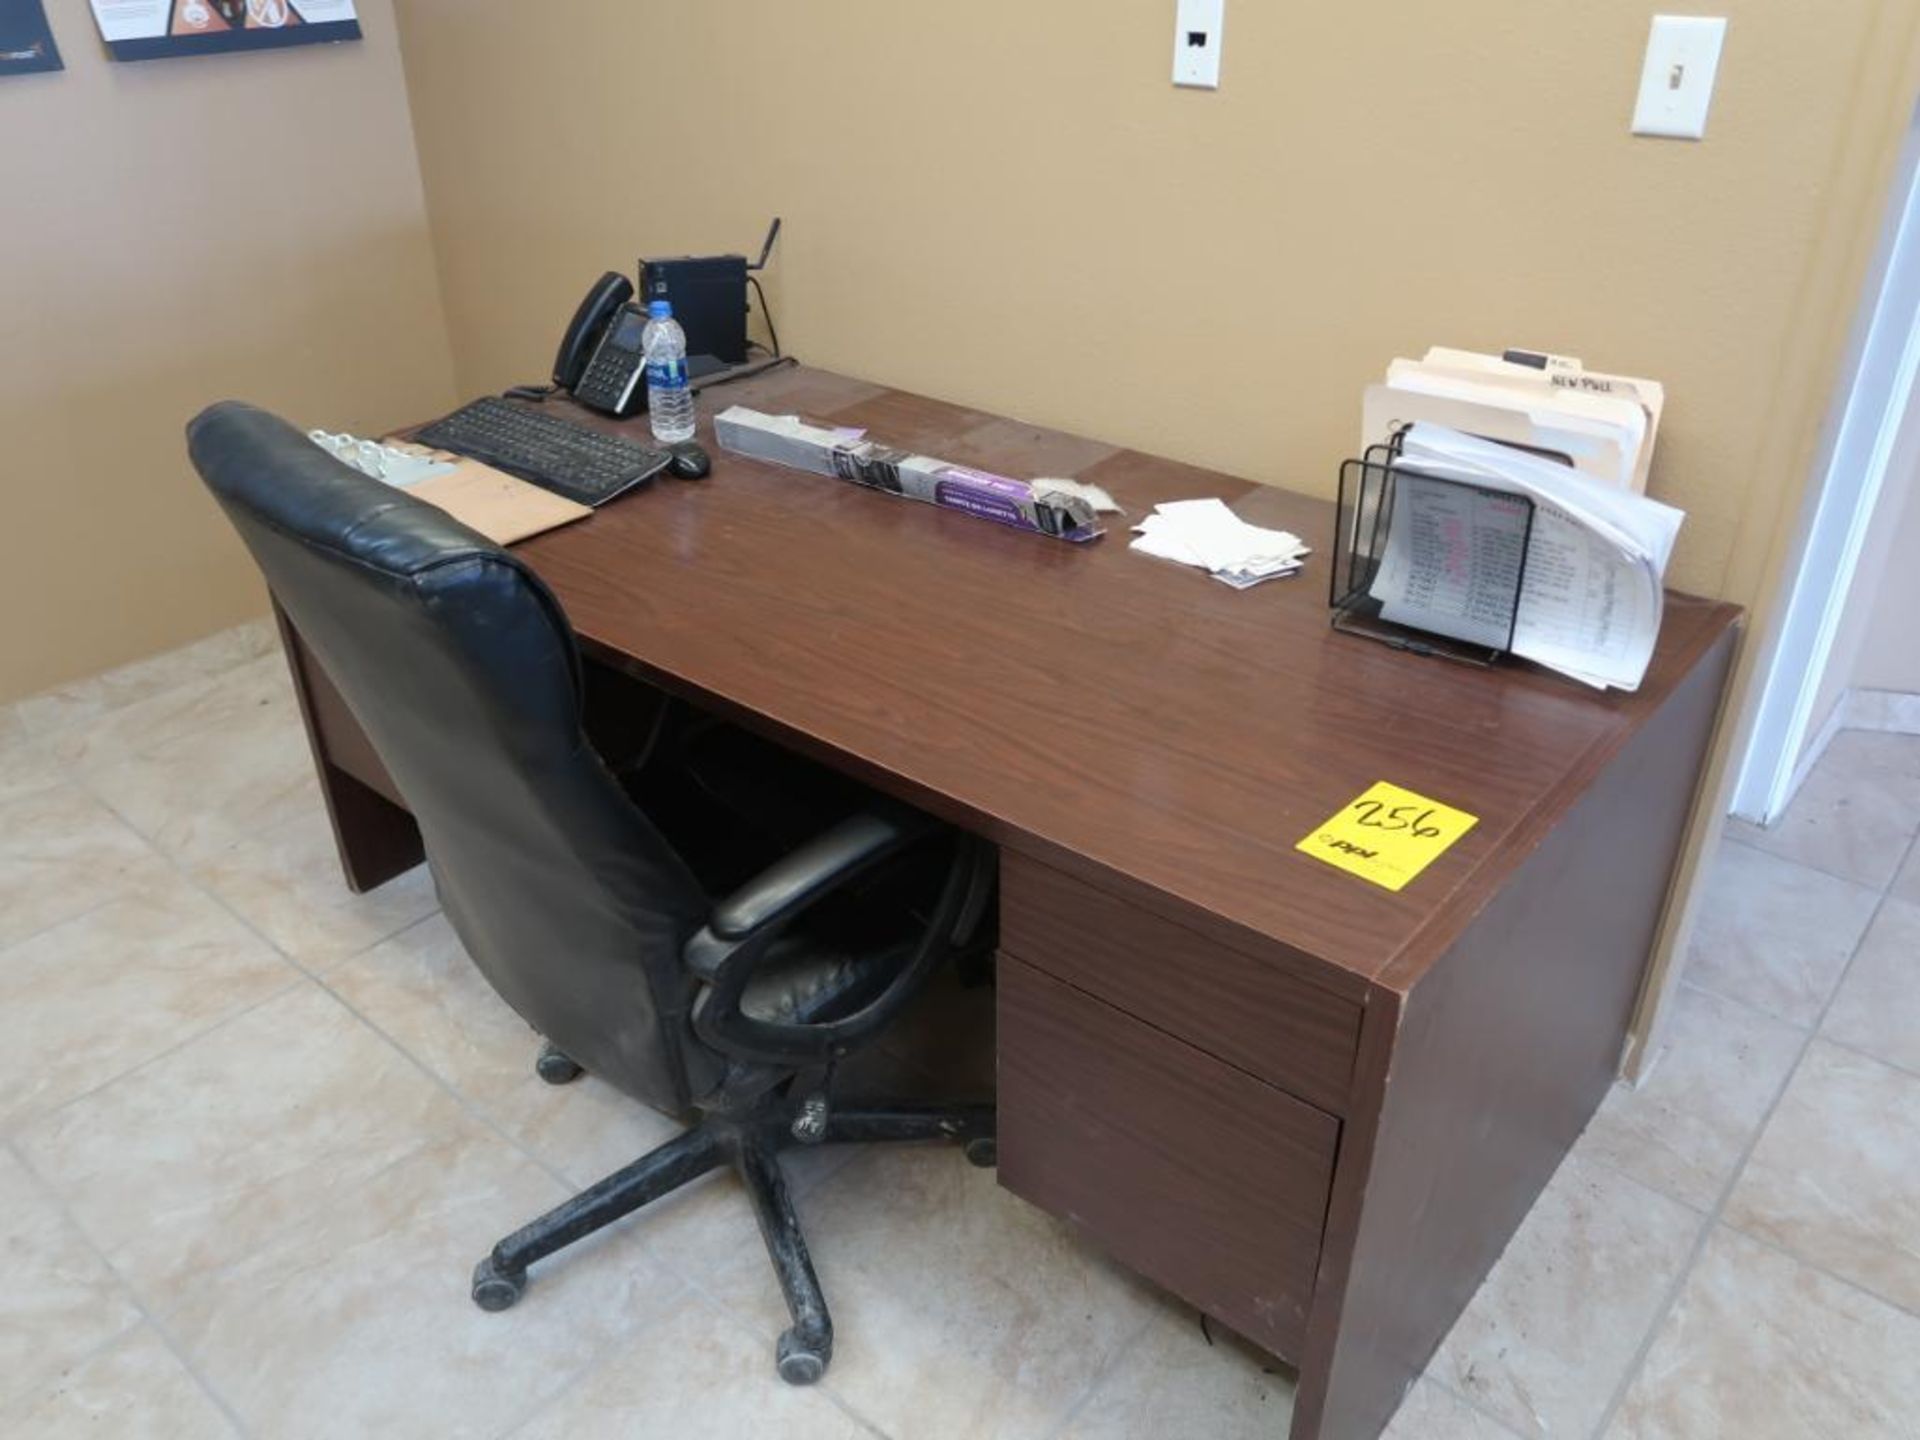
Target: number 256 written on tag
x=1388 y=835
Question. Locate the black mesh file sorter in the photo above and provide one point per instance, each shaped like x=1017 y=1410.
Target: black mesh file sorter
x=1426 y=562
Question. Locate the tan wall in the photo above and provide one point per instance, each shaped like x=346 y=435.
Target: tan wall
x=175 y=232
x=1009 y=204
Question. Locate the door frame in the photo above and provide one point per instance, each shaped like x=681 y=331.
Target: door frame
x=1877 y=417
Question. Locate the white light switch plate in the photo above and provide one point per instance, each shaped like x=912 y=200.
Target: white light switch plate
x=1683 y=59
x=1196 y=42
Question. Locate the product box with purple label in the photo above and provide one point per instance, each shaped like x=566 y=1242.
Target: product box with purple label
x=845 y=452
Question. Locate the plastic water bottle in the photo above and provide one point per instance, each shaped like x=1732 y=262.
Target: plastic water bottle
x=669 y=401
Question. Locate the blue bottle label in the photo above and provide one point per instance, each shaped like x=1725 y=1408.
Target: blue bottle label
x=666 y=374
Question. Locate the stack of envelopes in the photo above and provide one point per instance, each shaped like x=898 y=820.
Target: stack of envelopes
x=1205 y=533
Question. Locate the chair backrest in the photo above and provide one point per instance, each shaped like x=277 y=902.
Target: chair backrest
x=461 y=667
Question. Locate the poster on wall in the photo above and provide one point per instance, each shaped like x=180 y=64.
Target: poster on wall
x=26 y=44
x=154 y=29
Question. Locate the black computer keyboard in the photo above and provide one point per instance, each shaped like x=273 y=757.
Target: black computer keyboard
x=568 y=459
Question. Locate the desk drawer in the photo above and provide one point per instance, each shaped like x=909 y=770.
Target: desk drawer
x=1242 y=1010
x=1200 y=1177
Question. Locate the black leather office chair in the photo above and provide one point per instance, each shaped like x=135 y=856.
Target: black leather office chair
x=633 y=935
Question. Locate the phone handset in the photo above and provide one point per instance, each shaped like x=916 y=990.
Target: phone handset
x=589 y=325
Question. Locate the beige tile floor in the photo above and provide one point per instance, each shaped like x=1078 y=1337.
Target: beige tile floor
x=254 y=1130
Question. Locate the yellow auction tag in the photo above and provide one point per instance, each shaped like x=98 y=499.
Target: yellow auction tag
x=1388 y=835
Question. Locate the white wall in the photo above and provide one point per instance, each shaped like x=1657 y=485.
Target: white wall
x=1889 y=655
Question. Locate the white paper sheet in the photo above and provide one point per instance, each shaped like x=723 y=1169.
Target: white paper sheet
x=1453 y=555
x=1591 y=602
x=1208 y=535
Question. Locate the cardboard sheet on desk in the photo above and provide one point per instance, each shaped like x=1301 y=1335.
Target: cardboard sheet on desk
x=501 y=507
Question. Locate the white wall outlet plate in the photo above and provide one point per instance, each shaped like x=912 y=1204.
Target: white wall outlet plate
x=1196 y=42
x=1676 y=88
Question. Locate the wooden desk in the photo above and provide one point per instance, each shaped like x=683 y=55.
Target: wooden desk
x=1314 y=1108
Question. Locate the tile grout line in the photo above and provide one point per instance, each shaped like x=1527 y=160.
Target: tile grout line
x=262 y=623
x=14 y=1130
x=1499 y=1422
x=727 y=1314
x=1715 y=1217
x=79 y=915
x=593 y=1367
x=88 y=1354
x=1776 y=1248
x=302 y=973
x=1818 y=1034
x=570 y=1188
x=467 y=1105
x=178 y=867
x=81 y=778
x=1467 y=1402
x=1865 y=1054
x=153 y=1317
x=1471 y=1402
x=1712 y=1215
x=147 y=1316
x=743 y=1324
x=845 y=1406
x=77 y=777
x=1753 y=842
x=1740 y=1002
x=721 y=1312
x=1106 y=1372
x=1710 y=1221
x=185 y=878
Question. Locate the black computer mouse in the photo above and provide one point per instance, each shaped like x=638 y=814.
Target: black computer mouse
x=690 y=462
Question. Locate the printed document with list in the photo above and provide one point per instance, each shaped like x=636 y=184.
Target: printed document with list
x=1592 y=595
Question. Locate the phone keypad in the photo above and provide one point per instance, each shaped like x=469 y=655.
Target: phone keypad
x=608 y=376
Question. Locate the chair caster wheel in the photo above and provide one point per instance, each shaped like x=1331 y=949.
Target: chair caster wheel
x=983 y=1151
x=496 y=1289
x=556 y=1068
x=802 y=1361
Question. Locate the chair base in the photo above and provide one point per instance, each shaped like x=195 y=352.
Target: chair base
x=751 y=1144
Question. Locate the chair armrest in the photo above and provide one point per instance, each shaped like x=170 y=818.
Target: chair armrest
x=729 y=950
x=817 y=868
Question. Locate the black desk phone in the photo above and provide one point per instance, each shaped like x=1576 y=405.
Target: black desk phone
x=600 y=361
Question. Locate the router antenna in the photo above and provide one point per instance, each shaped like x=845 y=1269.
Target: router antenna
x=773 y=233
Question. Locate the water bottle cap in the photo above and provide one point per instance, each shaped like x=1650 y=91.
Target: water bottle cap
x=660 y=309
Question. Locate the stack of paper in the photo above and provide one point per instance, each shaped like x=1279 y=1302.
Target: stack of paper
x=1602 y=425
x=1591 y=596
x=1207 y=534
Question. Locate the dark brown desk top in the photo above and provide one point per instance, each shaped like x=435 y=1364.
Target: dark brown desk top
x=1106 y=712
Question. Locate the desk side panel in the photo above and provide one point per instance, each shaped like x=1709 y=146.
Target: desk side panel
x=1502 y=1052
x=373 y=832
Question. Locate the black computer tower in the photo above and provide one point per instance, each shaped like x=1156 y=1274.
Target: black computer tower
x=709 y=298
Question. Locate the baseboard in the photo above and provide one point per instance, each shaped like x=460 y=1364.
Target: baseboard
x=1892 y=711
x=1889 y=711
x=1816 y=747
